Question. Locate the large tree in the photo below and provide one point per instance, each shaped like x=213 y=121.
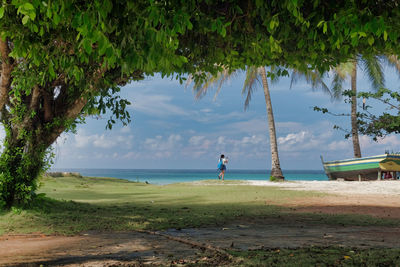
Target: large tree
x=61 y=60
x=371 y=65
x=253 y=76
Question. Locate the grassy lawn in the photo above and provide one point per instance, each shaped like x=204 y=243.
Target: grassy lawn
x=73 y=205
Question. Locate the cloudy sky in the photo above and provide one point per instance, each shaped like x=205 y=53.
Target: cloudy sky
x=170 y=129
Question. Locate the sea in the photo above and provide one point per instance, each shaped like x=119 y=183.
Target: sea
x=170 y=176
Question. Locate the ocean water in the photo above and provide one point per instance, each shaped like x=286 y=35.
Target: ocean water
x=170 y=176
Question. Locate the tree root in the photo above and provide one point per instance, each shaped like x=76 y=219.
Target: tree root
x=201 y=246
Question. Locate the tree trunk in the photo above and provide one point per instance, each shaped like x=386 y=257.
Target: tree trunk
x=275 y=165
x=20 y=164
x=354 y=125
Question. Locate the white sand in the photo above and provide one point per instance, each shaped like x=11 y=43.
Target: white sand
x=338 y=187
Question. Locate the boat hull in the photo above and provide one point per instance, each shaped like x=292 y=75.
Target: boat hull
x=368 y=168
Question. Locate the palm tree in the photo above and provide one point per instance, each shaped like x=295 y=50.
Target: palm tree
x=252 y=77
x=370 y=64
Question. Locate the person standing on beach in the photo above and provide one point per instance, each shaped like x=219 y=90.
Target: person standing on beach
x=222 y=166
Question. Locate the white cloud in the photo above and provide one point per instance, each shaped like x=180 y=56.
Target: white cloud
x=389 y=143
x=161 y=146
x=156 y=105
x=304 y=141
x=252 y=140
x=200 y=144
x=196 y=140
x=288 y=126
x=82 y=140
x=339 y=145
x=125 y=129
x=293 y=138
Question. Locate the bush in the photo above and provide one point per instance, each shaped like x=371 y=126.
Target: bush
x=275 y=179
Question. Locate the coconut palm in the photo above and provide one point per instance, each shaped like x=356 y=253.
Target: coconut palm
x=371 y=65
x=253 y=75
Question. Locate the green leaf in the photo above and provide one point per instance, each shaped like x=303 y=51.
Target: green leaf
x=56 y=18
x=28 y=6
x=32 y=15
x=1 y=12
x=189 y=25
x=51 y=70
x=385 y=35
x=325 y=27
x=213 y=26
x=25 y=19
x=371 y=40
x=362 y=34
x=48 y=12
x=223 y=32
x=87 y=45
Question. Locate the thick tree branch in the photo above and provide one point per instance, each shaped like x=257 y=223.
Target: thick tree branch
x=73 y=112
x=35 y=98
x=74 y=109
x=47 y=106
x=6 y=69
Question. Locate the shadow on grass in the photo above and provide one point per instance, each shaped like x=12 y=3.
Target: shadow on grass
x=69 y=217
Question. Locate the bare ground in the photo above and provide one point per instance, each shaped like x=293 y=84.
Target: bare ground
x=206 y=245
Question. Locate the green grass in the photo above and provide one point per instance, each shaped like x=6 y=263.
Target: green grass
x=73 y=205
x=319 y=256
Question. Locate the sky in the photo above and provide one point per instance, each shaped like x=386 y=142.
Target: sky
x=170 y=129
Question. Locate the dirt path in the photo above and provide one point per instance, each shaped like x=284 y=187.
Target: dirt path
x=93 y=249
x=107 y=249
x=136 y=249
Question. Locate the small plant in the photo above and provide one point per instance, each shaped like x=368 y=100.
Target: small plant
x=16 y=210
x=275 y=179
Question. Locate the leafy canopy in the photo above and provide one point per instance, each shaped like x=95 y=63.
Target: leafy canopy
x=183 y=36
x=64 y=59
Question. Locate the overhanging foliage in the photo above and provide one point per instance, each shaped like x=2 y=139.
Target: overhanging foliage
x=61 y=60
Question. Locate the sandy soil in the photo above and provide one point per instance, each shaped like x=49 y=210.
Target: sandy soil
x=387 y=188
x=380 y=199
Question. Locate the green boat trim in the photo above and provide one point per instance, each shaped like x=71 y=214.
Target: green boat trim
x=367 y=168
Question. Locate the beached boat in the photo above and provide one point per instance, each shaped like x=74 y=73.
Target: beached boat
x=361 y=169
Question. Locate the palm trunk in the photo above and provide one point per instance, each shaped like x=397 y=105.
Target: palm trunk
x=275 y=165
x=354 y=126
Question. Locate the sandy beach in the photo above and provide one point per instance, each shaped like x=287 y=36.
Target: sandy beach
x=387 y=188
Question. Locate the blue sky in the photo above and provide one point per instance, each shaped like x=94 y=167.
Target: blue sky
x=170 y=129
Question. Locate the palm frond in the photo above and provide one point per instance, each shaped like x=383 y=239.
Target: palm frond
x=202 y=86
x=337 y=85
x=373 y=67
x=296 y=76
x=344 y=70
x=312 y=77
x=250 y=84
x=393 y=61
x=274 y=79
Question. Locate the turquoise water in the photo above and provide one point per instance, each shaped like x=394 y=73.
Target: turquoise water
x=162 y=177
